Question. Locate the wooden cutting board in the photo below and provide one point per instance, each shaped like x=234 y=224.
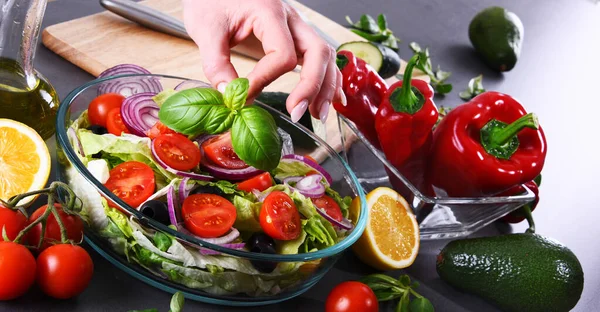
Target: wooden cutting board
x=100 y=41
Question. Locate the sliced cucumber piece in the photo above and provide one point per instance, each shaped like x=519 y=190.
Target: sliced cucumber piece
x=383 y=59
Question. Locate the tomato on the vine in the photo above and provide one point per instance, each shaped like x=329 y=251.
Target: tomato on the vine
x=72 y=223
x=17 y=270
x=13 y=221
x=64 y=271
x=100 y=106
x=350 y=297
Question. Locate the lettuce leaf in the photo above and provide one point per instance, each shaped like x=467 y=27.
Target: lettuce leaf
x=247 y=214
x=343 y=202
x=320 y=234
x=291 y=169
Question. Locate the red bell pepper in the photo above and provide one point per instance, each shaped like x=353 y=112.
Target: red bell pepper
x=525 y=211
x=364 y=89
x=404 y=124
x=485 y=147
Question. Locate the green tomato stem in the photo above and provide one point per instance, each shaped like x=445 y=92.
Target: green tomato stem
x=414 y=293
x=44 y=216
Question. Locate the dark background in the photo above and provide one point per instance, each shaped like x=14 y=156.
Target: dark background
x=556 y=77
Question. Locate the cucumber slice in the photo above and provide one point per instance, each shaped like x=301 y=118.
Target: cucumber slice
x=383 y=59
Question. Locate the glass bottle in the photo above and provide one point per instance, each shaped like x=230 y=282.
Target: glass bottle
x=25 y=95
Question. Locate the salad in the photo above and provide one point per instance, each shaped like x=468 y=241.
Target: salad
x=198 y=182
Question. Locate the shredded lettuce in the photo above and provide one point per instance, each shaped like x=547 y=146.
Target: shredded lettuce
x=291 y=247
x=291 y=169
x=247 y=214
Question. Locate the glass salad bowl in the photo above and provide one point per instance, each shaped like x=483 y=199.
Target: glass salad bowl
x=176 y=260
x=438 y=217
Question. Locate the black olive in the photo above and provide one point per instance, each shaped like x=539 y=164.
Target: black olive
x=156 y=210
x=262 y=243
x=97 y=129
x=207 y=189
x=97 y=155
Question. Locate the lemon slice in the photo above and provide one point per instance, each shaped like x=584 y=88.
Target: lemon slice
x=24 y=160
x=391 y=239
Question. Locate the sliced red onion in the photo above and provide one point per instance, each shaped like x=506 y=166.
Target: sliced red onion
x=344 y=224
x=75 y=140
x=210 y=252
x=140 y=113
x=172 y=206
x=223 y=173
x=309 y=186
x=189 y=84
x=225 y=239
x=321 y=170
x=185 y=174
x=184 y=191
x=259 y=195
x=128 y=86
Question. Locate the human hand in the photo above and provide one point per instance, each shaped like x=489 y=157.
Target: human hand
x=218 y=25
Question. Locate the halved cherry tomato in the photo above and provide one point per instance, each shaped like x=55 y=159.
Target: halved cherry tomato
x=219 y=151
x=72 y=223
x=279 y=217
x=100 y=106
x=114 y=122
x=208 y=215
x=132 y=181
x=13 y=221
x=260 y=182
x=331 y=207
x=177 y=151
x=158 y=129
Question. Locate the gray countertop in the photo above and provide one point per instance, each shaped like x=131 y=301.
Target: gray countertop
x=556 y=77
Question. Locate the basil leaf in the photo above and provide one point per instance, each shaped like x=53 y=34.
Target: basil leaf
x=236 y=93
x=386 y=294
x=254 y=138
x=375 y=278
x=369 y=36
x=443 y=88
x=177 y=302
x=382 y=22
x=404 y=280
x=403 y=304
x=420 y=305
x=196 y=111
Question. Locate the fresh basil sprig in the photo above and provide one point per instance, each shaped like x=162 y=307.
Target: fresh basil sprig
x=388 y=288
x=375 y=31
x=437 y=77
x=206 y=111
x=474 y=88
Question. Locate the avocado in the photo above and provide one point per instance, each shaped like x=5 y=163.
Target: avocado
x=497 y=35
x=515 y=272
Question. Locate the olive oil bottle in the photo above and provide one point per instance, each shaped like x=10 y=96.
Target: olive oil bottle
x=25 y=95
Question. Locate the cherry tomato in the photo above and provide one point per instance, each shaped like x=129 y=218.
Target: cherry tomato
x=351 y=297
x=208 y=215
x=64 y=271
x=132 y=181
x=100 y=106
x=220 y=152
x=158 y=129
x=17 y=270
x=72 y=223
x=114 y=122
x=13 y=221
x=177 y=151
x=279 y=217
x=260 y=182
x=331 y=207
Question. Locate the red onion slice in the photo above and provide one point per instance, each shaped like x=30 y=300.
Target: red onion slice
x=128 y=86
x=309 y=186
x=321 y=170
x=189 y=84
x=171 y=206
x=140 y=113
x=225 y=239
x=344 y=224
x=184 y=190
x=185 y=174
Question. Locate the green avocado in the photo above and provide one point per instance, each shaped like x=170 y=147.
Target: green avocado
x=515 y=272
x=497 y=35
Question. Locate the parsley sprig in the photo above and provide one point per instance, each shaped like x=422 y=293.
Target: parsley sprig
x=437 y=77
x=474 y=88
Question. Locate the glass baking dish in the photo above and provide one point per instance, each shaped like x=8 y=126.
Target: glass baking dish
x=438 y=217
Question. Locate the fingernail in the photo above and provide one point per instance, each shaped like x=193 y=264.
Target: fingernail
x=343 y=97
x=299 y=110
x=324 y=111
x=221 y=86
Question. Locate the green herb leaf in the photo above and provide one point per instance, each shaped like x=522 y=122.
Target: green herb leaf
x=378 y=37
x=177 y=302
x=438 y=77
x=382 y=22
x=415 y=47
x=391 y=42
x=380 y=278
x=386 y=294
x=474 y=88
x=404 y=280
x=162 y=241
x=367 y=23
x=538 y=180
x=443 y=88
x=236 y=93
x=421 y=304
x=255 y=139
x=404 y=302
x=196 y=111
